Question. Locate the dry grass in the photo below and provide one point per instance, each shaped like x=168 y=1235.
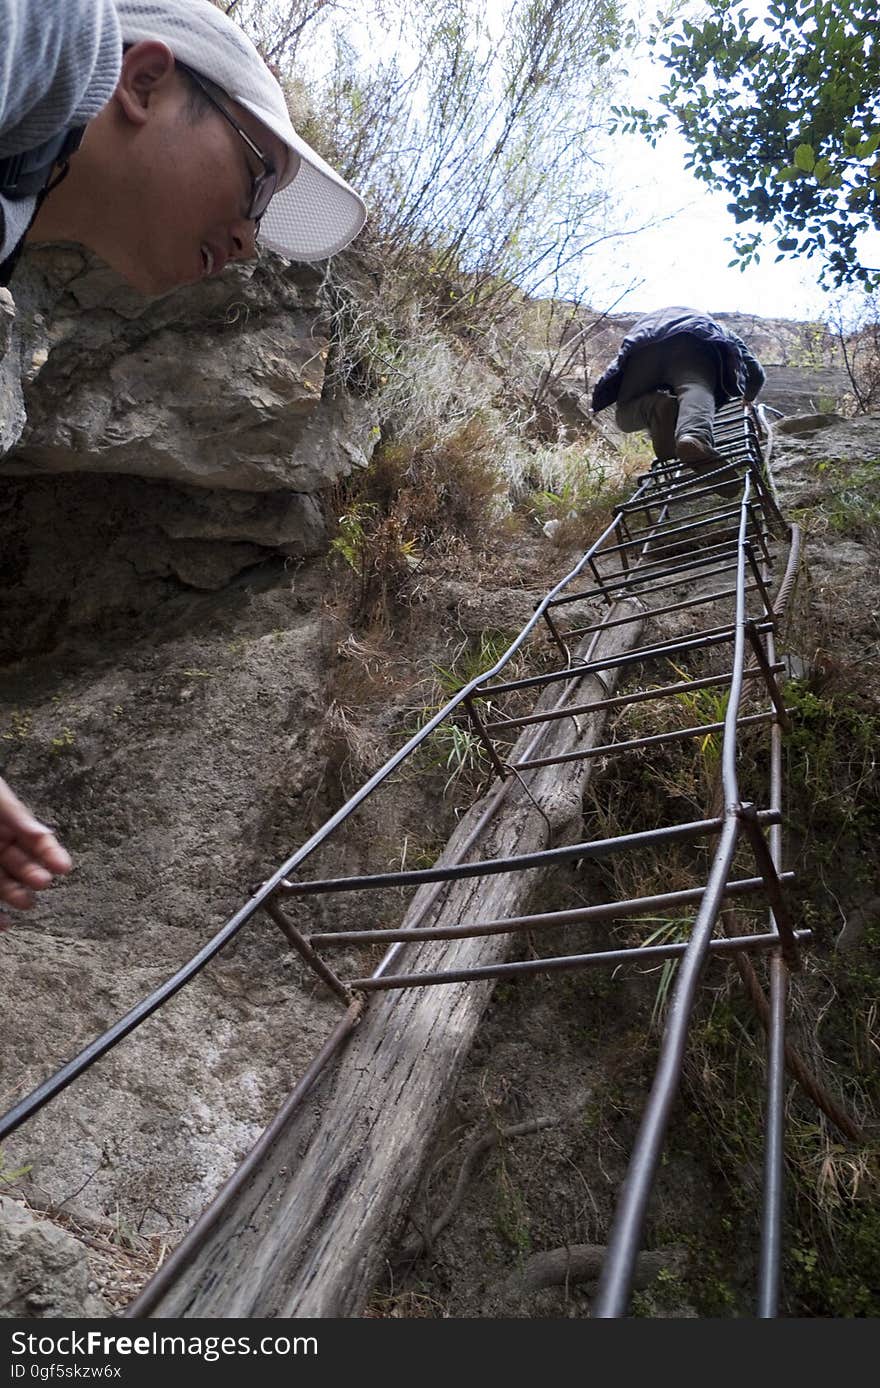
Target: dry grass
x=121 y=1260
x=415 y=499
x=405 y=1305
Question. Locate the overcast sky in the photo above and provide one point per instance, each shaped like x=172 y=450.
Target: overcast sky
x=685 y=260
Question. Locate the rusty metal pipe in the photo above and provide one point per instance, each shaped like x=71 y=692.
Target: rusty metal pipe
x=609 y=910
x=592 y=848
x=563 y=963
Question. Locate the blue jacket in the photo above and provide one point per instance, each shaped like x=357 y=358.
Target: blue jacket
x=739 y=372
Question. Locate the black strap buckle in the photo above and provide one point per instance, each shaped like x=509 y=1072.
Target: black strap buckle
x=25 y=175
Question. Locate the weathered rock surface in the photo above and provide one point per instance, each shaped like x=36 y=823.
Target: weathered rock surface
x=76 y=551
x=176 y=754
x=802 y=442
x=817 y=462
x=220 y=385
x=44 y=1270
x=799 y=389
x=12 y=413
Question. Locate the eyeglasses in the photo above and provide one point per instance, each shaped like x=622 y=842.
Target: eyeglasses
x=263 y=186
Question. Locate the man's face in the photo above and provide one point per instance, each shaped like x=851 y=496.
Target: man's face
x=184 y=191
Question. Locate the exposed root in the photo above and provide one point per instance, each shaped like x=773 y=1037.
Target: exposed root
x=794 y=1062
x=582 y=1262
x=487 y=1140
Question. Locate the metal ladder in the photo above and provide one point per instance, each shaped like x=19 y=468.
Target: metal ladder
x=683 y=542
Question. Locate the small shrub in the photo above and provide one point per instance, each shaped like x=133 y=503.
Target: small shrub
x=856 y=325
x=377 y=551
x=574 y=492
x=414 y=497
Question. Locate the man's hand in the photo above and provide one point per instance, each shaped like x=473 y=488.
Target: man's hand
x=30 y=854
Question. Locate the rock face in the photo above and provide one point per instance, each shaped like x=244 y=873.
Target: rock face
x=219 y=385
x=214 y=702
x=217 y=395
x=12 y=414
x=804 y=441
x=44 y=1270
x=827 y=464
x=79 y=550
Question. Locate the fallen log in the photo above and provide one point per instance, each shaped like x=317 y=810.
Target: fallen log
x=306 y=1234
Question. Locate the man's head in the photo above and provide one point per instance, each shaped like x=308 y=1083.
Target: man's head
x=174 y=174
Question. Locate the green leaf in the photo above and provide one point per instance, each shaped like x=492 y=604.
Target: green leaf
x=808 y=87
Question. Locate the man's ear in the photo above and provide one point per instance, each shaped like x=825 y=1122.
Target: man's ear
x=147 y=68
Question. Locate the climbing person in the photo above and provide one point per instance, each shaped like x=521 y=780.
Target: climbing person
x=152 y=133
x=675 y=367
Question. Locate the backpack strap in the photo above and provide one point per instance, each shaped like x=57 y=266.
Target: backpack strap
x=28 y=175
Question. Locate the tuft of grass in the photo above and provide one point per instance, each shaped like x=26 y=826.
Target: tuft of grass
x=416 y=497
x=850 y=500
x=455 y=748
x=465 y=755
x=8 y=1175
x=669 y=930
x=474 y=658
x=575 y=491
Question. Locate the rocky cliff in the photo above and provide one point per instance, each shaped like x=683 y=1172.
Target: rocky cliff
x=215 y=398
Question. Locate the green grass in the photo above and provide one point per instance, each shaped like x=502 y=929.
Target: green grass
x=851 y=505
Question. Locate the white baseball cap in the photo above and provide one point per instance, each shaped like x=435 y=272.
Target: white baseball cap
x=315 y=212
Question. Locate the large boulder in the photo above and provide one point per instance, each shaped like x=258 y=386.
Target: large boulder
x=219 y=385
